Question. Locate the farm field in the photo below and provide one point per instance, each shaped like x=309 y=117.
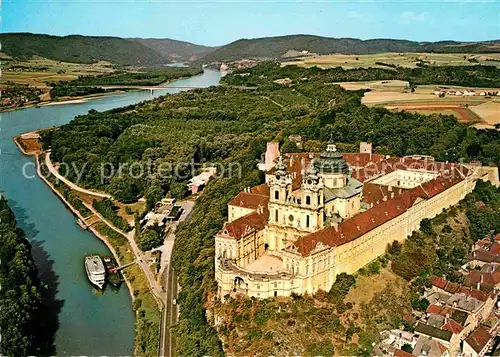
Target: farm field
x=489 y=112
x=395 y=95
x=462 y=113
x=407 y=59
x=38 y=71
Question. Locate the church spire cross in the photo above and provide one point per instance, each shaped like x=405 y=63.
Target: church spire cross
x=331 y=147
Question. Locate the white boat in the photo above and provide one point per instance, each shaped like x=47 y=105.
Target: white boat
x=95 y=270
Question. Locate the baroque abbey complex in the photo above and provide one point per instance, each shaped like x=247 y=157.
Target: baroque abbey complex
x=321 y=215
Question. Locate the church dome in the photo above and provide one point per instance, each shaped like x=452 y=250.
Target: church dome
x=331 y=161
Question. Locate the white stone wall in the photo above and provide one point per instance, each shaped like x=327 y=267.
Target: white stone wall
x=405 y=178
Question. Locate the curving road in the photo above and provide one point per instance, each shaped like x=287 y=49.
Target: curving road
x=73 y=186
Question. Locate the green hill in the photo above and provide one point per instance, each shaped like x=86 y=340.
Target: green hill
x=157 y=52
x=176 y=51
x=276 y=47
x=80 y=49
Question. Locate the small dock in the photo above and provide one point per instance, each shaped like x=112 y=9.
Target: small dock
x=121 y=267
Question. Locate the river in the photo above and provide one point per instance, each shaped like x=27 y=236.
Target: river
x=89 y=324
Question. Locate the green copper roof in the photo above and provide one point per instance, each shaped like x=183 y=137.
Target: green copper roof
x=331 y=161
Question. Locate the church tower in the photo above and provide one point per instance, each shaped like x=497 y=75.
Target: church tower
x=280 y=183
x=312 y=199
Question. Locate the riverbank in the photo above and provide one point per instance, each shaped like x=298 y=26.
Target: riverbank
x=74 y=100
x=147 y=312
x=79 y=216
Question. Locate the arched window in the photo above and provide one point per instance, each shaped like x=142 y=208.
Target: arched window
x=308 y=200
x=276 y=195
x=307 y=221
x=276 y=216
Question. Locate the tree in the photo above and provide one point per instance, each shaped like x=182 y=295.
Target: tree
x=153 y=194
x=26 y=321
x=150 y=239
x=178 y=189
x=407 y=348
x=426 y=226
x=123 y=189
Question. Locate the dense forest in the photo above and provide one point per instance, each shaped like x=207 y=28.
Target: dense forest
x=149 y=77
x=65 y=90
x=468 y=76
x=25 y=324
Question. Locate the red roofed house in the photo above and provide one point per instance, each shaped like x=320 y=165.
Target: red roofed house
x=478 y=342
x=320 y=215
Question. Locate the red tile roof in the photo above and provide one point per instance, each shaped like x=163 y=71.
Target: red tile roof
x=483 y=255
x=374 y=194
x=247 y=224
x=439 y=282
x=401 y=353
x=474 y=293
x=442 y=348
x=249 y=200
x=439 y=310
x=262 y=189
x=452 y=326
x=488 y=278
x=454 y=288
x=385 y=166
x=479 y=338
x=361 y=159
x=495 y=249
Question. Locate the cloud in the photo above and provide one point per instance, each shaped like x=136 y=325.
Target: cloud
x=409 y=17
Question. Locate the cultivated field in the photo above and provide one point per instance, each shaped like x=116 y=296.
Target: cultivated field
x=398 y=59
x=38 y=71
x=396 y=95
x=489 y=112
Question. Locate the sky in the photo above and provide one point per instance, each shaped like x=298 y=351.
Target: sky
x=220 y=22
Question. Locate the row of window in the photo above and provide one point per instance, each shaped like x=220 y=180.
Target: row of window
x=308 y=198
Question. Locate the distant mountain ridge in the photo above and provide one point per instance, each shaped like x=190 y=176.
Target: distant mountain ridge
x=158 y=52
x=276 y=47
x=175 y=51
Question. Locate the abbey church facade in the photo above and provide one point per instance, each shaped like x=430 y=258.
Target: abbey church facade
x=320 y=215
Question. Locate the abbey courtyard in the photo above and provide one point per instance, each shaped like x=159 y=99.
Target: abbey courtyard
x=319 y=215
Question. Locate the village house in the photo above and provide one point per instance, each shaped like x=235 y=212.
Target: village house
x=398 y=338
x=478 y=343
x=198 y=182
